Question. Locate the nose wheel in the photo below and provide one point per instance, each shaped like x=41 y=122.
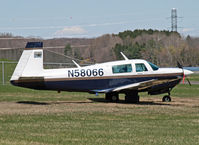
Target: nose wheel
x=166 y=98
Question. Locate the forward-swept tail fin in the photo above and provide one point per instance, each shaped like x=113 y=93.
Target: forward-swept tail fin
x=31 y=61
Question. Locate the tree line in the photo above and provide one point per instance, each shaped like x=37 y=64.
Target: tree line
x=163 y=48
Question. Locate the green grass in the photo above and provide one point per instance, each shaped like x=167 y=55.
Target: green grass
x=11 y=93
x=8 y=70
x=194 y=77
x=184 y=90
x=71 y=118
x=100 y=128
x=47 y=117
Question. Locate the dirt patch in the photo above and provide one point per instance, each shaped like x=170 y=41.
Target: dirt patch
x=145 y=106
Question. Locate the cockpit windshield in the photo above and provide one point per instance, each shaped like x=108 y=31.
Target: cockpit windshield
x=153 y=66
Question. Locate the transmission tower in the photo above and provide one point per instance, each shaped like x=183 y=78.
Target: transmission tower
x=174 y=18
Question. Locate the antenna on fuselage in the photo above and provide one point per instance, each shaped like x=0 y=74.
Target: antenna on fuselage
x=124 y=56
x=76 y=64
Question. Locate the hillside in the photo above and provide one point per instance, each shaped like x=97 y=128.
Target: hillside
x=95 y=49
x=163 y=48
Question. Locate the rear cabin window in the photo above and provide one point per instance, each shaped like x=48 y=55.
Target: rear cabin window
x=140 y=67
x=125 y=68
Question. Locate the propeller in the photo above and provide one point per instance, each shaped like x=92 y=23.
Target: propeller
x=180 y=66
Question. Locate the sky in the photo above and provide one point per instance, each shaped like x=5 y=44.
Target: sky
x=93 y=18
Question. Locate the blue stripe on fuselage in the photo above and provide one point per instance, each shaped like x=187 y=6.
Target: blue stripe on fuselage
x=96 y=84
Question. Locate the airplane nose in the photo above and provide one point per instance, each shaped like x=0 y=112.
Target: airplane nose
x=187 y=72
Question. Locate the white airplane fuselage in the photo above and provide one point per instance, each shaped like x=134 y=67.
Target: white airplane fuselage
x=118 y=76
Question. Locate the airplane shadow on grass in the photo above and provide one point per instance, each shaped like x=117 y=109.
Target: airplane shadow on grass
x=100 y=100
x=50 y=103
x=32 y=103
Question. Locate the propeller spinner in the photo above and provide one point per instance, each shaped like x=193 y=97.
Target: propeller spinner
x=185 y=73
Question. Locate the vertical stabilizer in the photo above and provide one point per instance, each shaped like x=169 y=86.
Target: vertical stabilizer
x=31 y=61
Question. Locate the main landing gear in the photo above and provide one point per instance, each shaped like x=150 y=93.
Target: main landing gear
x=131 y=97
x=114 y=97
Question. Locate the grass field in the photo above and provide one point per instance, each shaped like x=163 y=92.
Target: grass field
x=194 y=77
x=8 y=67
x=44 y=117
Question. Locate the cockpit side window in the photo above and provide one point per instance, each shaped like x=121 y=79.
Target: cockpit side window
x=153 y=66
x=140 y=67
x=122 y=68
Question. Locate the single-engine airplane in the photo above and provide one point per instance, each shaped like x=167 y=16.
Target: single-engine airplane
x=112 y=78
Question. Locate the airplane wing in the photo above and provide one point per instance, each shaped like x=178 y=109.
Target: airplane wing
x=116 y=89
x=135 y=86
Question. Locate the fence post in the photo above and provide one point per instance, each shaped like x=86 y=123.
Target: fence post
x=3 y=80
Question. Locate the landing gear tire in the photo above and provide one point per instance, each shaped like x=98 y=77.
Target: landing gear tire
x=132 y=97
x=114 y=97
x=166 y=98
x=108 y=97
